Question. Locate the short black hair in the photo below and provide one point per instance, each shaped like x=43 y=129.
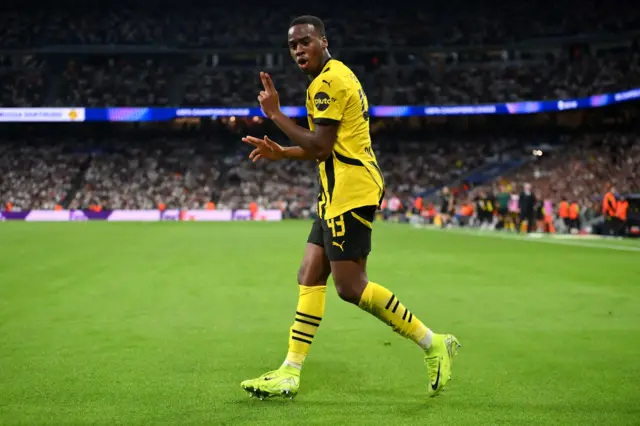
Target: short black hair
x=308 y=19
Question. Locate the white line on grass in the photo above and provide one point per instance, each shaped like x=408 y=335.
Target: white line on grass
x=541 y=239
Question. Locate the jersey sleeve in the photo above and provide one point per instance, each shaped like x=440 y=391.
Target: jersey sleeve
x=329 y=99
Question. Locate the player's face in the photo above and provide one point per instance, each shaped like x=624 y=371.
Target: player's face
x=307 y=47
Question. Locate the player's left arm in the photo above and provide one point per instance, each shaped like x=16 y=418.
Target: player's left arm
x=318 y=143
x=328 y=109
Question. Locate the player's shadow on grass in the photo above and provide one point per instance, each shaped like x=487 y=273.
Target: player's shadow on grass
x=343 y=384
x=366 y=398
x=374 y=408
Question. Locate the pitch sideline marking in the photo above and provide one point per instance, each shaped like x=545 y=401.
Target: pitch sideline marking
x=496 y=234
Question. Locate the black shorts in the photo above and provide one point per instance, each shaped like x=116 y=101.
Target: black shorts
x=485 y=215
x=346 y=237
x=526 y=215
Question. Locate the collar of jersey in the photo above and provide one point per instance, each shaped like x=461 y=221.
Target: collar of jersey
x=324 y=68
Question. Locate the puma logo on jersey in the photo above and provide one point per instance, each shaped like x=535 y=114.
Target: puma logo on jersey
x=328 y=82
x=335 y=243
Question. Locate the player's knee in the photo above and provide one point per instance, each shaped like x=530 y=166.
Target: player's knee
x=350 y=279
x=303 y=275
x=308 y=277
x=349 y=291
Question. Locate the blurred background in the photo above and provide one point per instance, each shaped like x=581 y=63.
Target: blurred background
x=513 y=164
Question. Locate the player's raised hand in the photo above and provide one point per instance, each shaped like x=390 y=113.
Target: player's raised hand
x=268 y=98
x=264 y=148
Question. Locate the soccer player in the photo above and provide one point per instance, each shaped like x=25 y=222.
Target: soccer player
x=526 y=205
x=352 y=188
x=447 y=206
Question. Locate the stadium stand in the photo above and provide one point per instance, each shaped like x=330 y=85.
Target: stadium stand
x=505 y=82
x=580 y=169
x=157 y=81
x=37 y=175
x=129 y=55
x=452 y=53
x=122 y=81
x=229 y=26
x=188 y=172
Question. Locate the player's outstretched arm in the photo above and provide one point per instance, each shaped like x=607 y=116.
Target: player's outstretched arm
x=319 y=144
x=271 y=150
x=297 y=153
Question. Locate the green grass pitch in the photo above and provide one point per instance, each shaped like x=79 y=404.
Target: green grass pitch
x=125 y=323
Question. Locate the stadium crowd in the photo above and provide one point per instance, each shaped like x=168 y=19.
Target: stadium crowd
x=192 y=173
x=122 y=81
x=83 y=63
x=37 y=175
x=150 y=80
x=188 y=173
x=193 y=24
x=506 y=82
x=580 y=169
x=85 y=60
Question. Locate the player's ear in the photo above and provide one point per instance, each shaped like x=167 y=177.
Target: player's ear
x=325 y=42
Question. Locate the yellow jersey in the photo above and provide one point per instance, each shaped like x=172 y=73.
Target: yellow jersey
x=350 y=176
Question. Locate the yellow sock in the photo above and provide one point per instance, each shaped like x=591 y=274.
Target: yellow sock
x=308 y=316
x=385 y=306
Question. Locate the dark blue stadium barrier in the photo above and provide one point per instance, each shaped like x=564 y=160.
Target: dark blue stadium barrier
x=77 y=114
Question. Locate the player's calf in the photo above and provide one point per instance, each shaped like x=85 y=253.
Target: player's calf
x=312 y=280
